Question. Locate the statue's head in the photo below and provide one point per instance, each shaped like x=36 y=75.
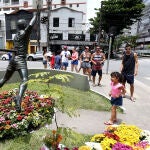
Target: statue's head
x=21 y=24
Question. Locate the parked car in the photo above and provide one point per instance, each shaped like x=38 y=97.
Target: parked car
x=6 y=56
x=38 y=56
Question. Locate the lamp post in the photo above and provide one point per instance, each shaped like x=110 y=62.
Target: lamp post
x=109 y=50
x=112 y=33
x=38 y=30
x=49 y=8
x=100 y=24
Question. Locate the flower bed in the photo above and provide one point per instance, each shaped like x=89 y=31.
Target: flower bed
x=36 y=112
x=122 y=137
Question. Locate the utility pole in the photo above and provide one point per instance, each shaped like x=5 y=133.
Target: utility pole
x=49 y=8
x=100 y=24
x=38 y=31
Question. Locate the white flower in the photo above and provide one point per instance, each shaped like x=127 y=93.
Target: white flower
x=93 y=145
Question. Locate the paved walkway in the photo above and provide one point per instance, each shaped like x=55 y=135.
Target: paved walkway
x=92 y=122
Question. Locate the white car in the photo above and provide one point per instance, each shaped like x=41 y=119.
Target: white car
x=38 y=56
x=5 y=56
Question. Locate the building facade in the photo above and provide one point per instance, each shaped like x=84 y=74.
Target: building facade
x=66 y=26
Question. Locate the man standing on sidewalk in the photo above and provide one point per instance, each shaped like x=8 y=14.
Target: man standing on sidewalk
x=129 y=68
x=97 y=60
x=65 y=55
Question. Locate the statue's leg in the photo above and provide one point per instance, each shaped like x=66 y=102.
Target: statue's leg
x=6 y=77
x=23 y=86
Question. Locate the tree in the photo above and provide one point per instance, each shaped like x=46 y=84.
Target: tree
x=125 y=39
x=117 y=13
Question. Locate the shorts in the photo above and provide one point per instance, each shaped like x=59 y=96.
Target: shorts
x=128 y=78
x=85 y=65
x=116 y=101
x=44 y=62
x=18 y=62
x=57 y=66
x=93 y=73
x=74 y=62
x=65 y=64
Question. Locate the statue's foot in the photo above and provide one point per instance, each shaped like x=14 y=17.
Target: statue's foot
x=17 y=100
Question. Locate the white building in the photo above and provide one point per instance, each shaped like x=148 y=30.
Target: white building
x=67 y=17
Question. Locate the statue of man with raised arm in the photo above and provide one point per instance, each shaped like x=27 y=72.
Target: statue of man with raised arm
x=18 y=61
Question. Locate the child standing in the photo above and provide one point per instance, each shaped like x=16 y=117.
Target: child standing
x=52 y=61
x=117 y=90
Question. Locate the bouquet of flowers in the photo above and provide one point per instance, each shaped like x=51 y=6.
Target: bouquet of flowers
x=52 y=140
x=36 y=112
x=123 y=137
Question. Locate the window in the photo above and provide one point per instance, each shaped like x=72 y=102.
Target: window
x=55 y=22
x=63 y=2
x=55 y=6
x=70 y=5
x=13 y=24
x=6 y=9
x=71 y=22
x=14 y=2
x=77 y=5
x=6 y=1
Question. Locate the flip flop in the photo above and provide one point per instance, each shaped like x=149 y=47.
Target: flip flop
x=132 y=99
x=108 y=123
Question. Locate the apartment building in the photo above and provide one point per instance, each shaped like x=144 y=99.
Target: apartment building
x=67 y=22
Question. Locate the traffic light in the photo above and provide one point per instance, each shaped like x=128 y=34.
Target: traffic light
x=44 y=19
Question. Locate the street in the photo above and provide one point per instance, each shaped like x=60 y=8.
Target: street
x=114 y=65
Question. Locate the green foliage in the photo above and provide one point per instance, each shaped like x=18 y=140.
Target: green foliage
x=72 y=138
x=125 y=39
x=34 y=141
x=119 y=13
x=45 y=77
x=55 y=91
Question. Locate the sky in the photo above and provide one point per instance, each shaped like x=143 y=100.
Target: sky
x=91 y=4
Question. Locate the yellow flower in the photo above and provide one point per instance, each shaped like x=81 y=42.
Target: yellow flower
x=128 y=134
x=7 y=127
x=98 y=138
x=84 y=148
x=13 y=103
x=107 y=143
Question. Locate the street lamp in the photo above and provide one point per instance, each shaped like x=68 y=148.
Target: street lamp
x=49 y=7
x=112 y=33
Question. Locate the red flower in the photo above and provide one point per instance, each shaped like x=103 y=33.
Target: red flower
x=19 y=117
x=8 y=122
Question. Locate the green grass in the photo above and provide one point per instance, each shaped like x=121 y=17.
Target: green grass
x=72 y=97
x=33 y=141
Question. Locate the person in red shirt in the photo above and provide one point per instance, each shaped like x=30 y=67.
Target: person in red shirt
x=52 y=61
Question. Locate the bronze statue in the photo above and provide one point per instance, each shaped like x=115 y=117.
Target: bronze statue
x=18 y=61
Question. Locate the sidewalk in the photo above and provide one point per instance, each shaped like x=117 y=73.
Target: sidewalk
x=92 y=122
